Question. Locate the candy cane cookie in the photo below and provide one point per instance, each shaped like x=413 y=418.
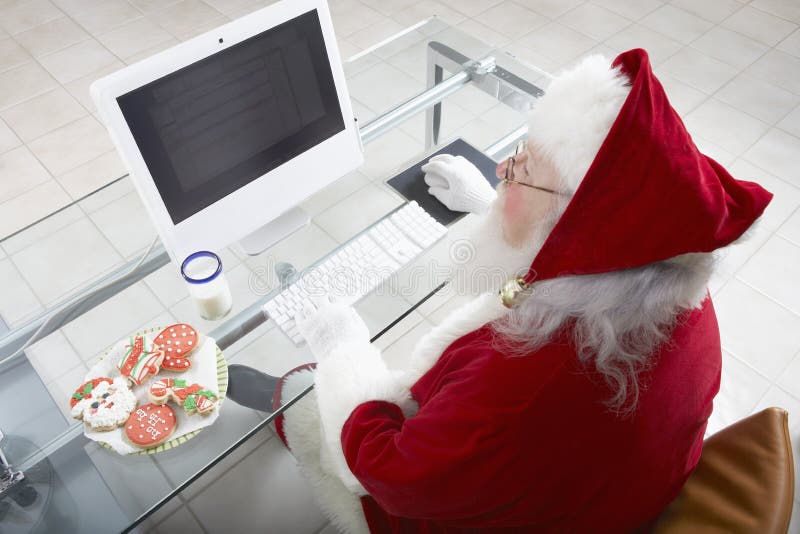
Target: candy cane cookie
x=139 y=358
x=193 y=398
x=178 y=341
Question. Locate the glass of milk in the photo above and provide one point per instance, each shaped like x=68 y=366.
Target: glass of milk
x=207 y=285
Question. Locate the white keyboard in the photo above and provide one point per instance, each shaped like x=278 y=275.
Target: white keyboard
x=360 y=266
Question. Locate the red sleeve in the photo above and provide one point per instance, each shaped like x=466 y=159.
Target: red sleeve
x=437 y=465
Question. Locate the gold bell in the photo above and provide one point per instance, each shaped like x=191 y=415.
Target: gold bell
x=511 y=289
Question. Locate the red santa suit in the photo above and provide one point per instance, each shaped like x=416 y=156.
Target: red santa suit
x=467 y=439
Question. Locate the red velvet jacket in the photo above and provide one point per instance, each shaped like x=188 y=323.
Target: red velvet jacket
x=525 y=444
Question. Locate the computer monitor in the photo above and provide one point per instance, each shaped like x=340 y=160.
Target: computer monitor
x=231 y=130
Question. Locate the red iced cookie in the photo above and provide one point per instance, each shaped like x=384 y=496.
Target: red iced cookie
x=150 y=425
x=178 y=341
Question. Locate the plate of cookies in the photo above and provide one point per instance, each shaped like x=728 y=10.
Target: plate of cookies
x=153 y=390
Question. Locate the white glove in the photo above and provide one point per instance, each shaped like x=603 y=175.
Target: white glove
x=330 y=327
x=458 y=184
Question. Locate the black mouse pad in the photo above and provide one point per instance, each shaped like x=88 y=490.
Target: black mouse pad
x=411 y=182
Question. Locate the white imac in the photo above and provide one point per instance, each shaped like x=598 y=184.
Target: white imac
x=225 y=134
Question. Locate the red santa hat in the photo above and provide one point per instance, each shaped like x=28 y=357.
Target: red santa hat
x=643 y=192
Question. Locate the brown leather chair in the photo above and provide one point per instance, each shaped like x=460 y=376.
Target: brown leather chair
x=743 y=483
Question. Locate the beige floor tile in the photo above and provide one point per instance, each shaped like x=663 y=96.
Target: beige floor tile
x=106 y=16
x=25 y=15
x=8 y=139
x=760 y=26
x=778 y=68
x=79 y=252
x=683 y=97
x=76 y=6
x=151 y=51
x=184 y=16
x=390 y=7
x=659 y=47
x=777 y=152
x=631 y=9
x=352 y=17
x=148 y=6
x=126 y=225
x=51 y=36
x=24 y=82
x=557 y=42
x=77 y=60
x=471 y=8
x=43 y=229
x=12 y=54
x=790 y=123
x=184 y=34
x=52 y=357
x=597 y=22
x=90 y=176
x=712 y=10
x=42 y=114
x=356 y=212
x=702 y=72
x=269 y=476
x=182 y=520
x=747 y=319
x=773 y=271
x=31 y=206
x=731 y=47
x=20 y=172
x=785 y=201
x=791 y=228
x=375 y=33
x=428 y=8
x=231 y=7
x=18 y=302
x=551 y=8
x=511 y=19
x=724 y=125
x=791 y=44
x=787 y=9
x=80 y=87
x=758 y=98
x=482 y=32
x=69 y=146
x=134 y=37
x=676 y=23
x=740 y=390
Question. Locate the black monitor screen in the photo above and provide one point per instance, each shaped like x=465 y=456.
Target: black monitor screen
x=208 y=129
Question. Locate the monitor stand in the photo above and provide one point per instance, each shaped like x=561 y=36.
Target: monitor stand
x=274 y=231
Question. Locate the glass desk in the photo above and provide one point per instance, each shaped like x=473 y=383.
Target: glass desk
x=411 y=94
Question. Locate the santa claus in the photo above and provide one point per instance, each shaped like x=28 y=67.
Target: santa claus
x=575 y=401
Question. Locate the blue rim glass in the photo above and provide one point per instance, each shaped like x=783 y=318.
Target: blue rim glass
x=194 y=256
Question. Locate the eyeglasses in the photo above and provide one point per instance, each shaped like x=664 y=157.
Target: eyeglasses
x=510 y=172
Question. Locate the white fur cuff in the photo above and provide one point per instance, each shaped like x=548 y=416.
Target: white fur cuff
x=352 y=375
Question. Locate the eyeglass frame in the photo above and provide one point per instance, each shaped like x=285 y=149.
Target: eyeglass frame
x=510 y=169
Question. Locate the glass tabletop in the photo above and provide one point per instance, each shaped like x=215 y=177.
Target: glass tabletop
x=57 y=263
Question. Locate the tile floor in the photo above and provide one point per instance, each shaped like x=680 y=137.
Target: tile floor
x=731 y=68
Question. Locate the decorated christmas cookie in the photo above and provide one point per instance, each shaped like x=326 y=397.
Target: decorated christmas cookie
x=150 y=425
x=139 y=358
x=194 y=398
x=103 y=404
x=178 y=341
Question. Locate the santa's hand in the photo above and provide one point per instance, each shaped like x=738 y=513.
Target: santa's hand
x=458 y=184
x=330 y=326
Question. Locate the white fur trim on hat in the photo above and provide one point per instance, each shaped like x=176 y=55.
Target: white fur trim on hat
x=570 y=122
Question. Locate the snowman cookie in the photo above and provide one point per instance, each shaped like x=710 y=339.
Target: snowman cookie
x=150 y=425
x=103 y=404
x=178 y=341
x=139 y=358
x=193 y=398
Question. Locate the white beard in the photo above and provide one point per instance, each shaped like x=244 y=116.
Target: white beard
x=484 y=260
